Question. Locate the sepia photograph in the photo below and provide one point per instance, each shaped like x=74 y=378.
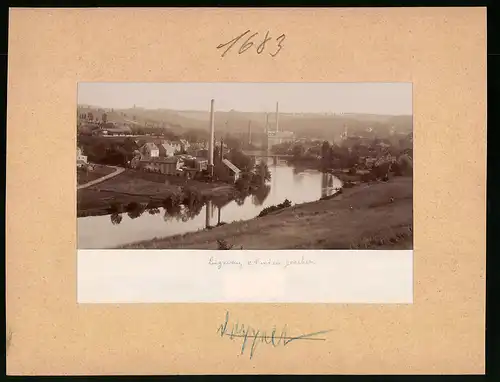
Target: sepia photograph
x=245 y=166
x=246 y=192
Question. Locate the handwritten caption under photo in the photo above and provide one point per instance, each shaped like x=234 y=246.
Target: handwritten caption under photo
x=283 y=263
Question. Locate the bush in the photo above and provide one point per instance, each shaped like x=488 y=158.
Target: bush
x=287 y=203
x=381 y=171
x=151 y=204
x=172 y=200
x=397 y=169
x=132 y=206
x=135 y=210
x=116 y=218
x=405 y=164
x=223 y=244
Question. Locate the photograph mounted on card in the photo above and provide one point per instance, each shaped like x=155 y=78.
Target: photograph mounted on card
x=252 y=187
x=302 y=171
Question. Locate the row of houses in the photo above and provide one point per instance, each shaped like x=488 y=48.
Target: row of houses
x=162 y=148
x=163 y=157
x=187 y=166
x=178 y=165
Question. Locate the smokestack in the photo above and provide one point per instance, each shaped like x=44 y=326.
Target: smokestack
x=249 y=132
x=211 y=140
x=267 y=132
x=221 y=150
x=277 y=116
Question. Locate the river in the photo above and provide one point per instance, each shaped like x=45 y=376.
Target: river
x=287 y=182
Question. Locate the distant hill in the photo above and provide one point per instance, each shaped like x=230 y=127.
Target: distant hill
x=307 y=125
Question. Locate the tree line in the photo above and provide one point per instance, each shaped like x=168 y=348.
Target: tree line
x=334 y=156
x=115 y=152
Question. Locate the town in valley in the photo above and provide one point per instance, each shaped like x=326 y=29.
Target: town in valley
x=232 y=179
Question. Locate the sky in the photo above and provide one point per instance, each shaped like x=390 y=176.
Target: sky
x=356 y=97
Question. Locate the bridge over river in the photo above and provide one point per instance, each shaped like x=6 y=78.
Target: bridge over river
x=260 y=154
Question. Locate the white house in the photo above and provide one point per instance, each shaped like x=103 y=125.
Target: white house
x=150 y=150
x=167 y=149
x=185 y=145
x=81 y=159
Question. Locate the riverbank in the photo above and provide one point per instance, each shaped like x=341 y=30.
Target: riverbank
x=377 y=215
x=136 y=187
x=344 y=174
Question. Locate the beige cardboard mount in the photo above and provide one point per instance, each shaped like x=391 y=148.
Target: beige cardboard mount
x=442 y=51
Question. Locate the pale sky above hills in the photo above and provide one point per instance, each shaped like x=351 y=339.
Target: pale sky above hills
x=366 y=98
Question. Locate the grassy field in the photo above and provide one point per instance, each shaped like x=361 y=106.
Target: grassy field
x=370 y=216
x=140 y=187
x=82 y=176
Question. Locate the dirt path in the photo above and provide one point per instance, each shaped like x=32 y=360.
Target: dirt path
x=118 y=170
x=374 y=216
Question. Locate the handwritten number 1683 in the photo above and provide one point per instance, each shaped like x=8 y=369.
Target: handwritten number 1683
x=247 y=44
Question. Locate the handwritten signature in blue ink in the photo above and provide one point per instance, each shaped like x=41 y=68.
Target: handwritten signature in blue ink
x=256 y=336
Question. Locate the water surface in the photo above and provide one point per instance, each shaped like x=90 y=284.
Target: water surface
x=287 y=182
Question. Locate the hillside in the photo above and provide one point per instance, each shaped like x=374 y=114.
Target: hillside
x=371 y=216
x=321 y=126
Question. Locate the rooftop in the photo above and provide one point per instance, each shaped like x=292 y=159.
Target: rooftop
x=162 y=160
x=151 y=145
x=231 y=166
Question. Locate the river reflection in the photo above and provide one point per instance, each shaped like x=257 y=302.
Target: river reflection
x=140 y=223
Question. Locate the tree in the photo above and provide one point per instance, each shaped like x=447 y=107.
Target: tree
x=325 y=149
x=134 y=210
x=104 y=118
x=282 y=148
x=315 y=150
x=325 y=154
x=130 y=144
x=195 y=135
x=343 y=157
x=116 y=218
x=232 y=142
x=360 y=149
x=403 y=166
x=260 y=194
x=261 y=173
x=297 y=151
x=216 y=154
x=240 y=160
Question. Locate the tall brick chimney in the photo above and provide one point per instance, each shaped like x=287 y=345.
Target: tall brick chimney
x=211 y=140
